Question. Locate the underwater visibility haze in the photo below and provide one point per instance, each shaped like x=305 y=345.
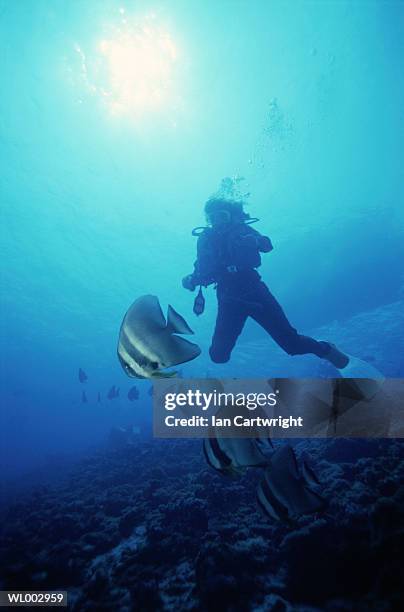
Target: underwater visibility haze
x=118 y=121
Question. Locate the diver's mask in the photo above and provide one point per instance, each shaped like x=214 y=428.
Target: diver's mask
x=219 y=217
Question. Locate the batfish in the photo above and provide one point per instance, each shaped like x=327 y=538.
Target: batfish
x=231 y=455
x=82 y=376
x=133 y=394
x=285 y=493
x=113 y=392
x=148 y=343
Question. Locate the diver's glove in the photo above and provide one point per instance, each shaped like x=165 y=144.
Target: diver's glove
x=265 y=244
x=188 y=282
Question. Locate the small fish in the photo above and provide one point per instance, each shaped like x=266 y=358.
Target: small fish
x=113 y=392
x=82 y=376
x=133 y=394
x=148 y=343
x=84 y=398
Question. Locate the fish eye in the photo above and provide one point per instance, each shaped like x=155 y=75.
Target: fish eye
x=154 y=365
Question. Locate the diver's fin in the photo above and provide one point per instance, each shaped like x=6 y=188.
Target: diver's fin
x=349 y=388
x=180 y=351
x=348 y=392
x=357 y=368
x=338 y=359
x=176 y=324
x=316 y=411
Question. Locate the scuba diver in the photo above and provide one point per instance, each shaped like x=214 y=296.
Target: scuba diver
x=228 y=255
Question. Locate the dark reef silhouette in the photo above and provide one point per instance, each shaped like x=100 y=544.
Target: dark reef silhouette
x=152 y=527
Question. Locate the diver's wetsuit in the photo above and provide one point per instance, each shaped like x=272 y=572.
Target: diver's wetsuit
x=229 y=258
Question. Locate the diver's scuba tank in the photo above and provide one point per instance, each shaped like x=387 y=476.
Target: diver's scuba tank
x=199 y=303
x=197 y=231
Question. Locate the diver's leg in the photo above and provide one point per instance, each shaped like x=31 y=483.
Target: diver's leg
x=270 y=315
x=230 y=320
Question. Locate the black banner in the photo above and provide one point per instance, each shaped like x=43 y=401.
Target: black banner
x=279 y=408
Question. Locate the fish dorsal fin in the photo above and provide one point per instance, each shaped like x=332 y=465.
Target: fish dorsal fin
x=286 y=458
x=147 y=312
x=180 y=351
x=309 y=475
x=176 y=324
x=243 y=452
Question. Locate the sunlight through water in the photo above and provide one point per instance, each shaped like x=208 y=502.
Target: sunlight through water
x=131 y=67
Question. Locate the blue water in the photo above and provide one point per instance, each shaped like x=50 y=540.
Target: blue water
x=297 y=107
x=118 y=120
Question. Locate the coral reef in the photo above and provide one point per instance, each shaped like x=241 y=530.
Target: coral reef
x=151 y=527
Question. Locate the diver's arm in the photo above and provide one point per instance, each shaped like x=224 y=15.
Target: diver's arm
x=204 y=266
x=191 y=281
x=202 y=274
x=263 y=243
x=188 y=282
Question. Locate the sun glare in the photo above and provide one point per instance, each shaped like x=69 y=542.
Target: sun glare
x=133 y=67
